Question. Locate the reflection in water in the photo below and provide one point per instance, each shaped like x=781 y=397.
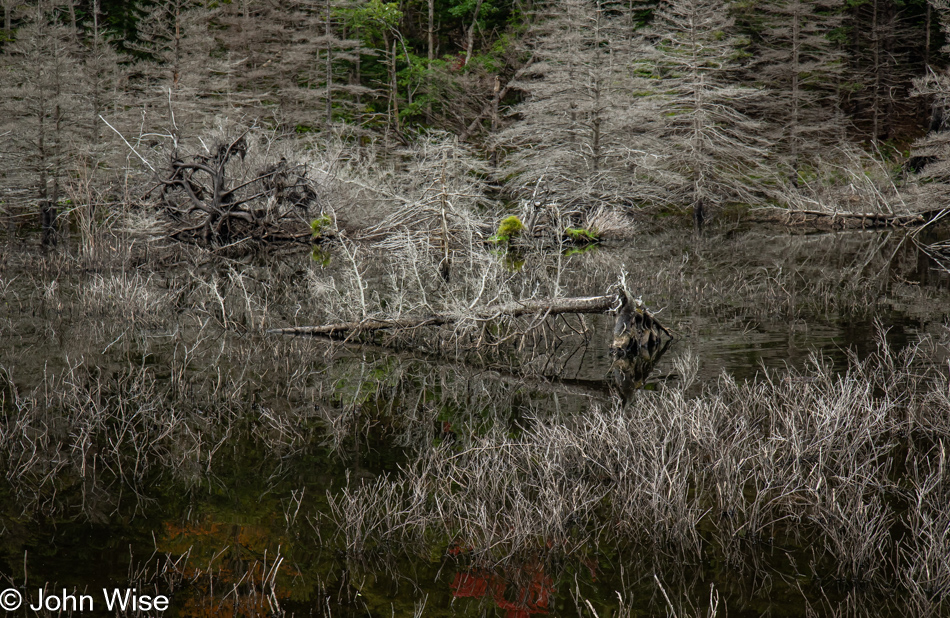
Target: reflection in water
x=239 y=561
x=630 y=373
x=175 y=453
x=321 y=255
x=520 y=590
x=528 y=599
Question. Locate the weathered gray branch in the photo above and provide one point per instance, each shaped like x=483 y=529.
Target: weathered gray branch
x=546 y=306
x=847 y=219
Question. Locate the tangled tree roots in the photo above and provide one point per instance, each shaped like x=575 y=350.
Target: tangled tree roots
x=637 y=333
x=217 y=198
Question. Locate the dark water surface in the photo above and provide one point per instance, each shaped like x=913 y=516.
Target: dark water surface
x=202 y=454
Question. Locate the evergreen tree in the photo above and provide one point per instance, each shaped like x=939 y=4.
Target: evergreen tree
x=42 y=112
x=710 y=146
x=883 y=63
x=802 y=66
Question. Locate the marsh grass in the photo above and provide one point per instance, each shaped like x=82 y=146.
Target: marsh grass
x=805 y=462
x=156 y=369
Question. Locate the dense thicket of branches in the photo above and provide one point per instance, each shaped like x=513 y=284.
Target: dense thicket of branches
x=586 y=102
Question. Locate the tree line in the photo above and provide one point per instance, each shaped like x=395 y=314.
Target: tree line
x=628 y=103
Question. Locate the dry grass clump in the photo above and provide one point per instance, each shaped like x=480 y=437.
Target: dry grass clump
x=849 y=180
x=86 y=422
x=98 y=431
x=924 y=562
x=129 y=296
x=800 y=461
x=438 y=197
x=610 y=223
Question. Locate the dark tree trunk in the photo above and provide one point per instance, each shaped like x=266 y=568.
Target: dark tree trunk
x=699 y=215
x=48 y=219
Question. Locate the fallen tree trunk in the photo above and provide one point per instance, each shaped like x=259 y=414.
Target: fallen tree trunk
x=547 y=306
x=846 y=220
x=638 y=335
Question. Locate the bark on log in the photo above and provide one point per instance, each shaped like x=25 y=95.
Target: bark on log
x=547 y=306
x=846 y=220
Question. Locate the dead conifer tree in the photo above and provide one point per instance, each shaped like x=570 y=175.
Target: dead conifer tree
x=577 y=132
x=183 y=85
x=41 y=111
x=295 y=52
x=711 y=148
x=931 y=153
x=802 y=65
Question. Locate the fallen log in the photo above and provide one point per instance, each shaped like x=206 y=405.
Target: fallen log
x=637 y=332
x=846 y=220
x=547 y=306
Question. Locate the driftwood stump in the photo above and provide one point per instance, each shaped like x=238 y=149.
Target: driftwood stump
x=637 y=333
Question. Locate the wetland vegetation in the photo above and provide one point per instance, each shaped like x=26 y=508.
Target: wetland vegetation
x=785 y=455
x=457 y=201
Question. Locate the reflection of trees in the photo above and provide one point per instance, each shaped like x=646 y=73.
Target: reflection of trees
x=527 y=599
x=406 y=395
x=227 y=569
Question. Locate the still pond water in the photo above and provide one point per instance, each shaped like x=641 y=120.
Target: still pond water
x=230 y=515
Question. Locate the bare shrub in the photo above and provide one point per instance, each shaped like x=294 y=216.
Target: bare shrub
x=730 y=471
x=924 y=562
x=130 y=296
x=849 y=180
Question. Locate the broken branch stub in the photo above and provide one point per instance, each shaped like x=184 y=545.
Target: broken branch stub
x=637 y=331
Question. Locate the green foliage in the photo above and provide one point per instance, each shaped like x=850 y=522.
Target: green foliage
x=321 y=256
x=590 y=248
x=510 y=227
x=582 y=236
x=512 y=260
x=321 y=225
x=373 y=20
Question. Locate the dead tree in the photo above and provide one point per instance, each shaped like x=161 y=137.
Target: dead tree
x=205 y=202
x=547 y=306
x=637 y=331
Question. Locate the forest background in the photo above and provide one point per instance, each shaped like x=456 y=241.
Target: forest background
x=594 y=104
